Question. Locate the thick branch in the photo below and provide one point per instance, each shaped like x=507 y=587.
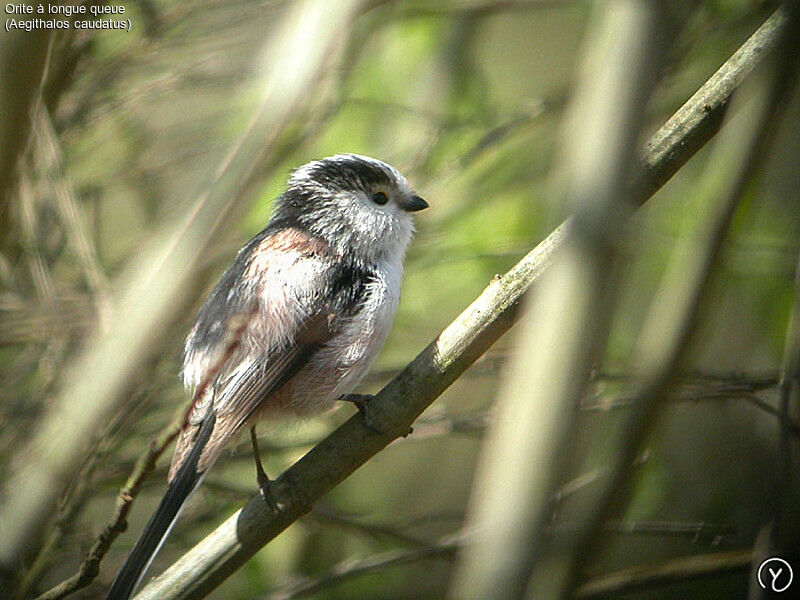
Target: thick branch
x=399 y=403
x=567 y=329
x=679 y=305
x=700 y=117
x=153 y=288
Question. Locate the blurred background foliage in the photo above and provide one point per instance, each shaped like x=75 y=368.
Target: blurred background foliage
x=466 y=99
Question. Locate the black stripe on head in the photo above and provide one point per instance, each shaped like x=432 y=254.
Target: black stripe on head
x=348 y=173
x=349 y=288
x=313 y=186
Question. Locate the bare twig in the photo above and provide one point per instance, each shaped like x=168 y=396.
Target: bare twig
x=236 y=328
x=47 y=151
x=59 y=445
x=790 y=386
x=569 y=315
x=697 y=532
x=737 y=387
x=371 y=529
x=445 y=547
x=67 y=513
x=692 y=389
x=703 y=566
x=777 y=534
x=696 y=567
x=677 y=308
x=701 y=116
x=145 y=465
x=118 y=521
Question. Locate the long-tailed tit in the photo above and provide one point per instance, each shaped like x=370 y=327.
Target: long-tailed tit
x=315 y=294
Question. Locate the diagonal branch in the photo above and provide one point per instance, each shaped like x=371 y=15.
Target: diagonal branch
x=682 y=299
x=569 y=318
x=399 y=403
x=153 y=285
x=144 y=466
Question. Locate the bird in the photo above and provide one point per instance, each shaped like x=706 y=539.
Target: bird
x=292 y=326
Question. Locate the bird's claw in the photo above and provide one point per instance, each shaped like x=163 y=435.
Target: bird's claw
x=265 y=490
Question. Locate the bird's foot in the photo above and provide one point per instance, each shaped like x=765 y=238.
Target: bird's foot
x=264 y=482
x=265 y=490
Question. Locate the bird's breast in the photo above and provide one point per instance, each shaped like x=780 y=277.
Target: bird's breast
x=340 y=365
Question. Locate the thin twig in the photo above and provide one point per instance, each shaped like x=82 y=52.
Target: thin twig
x=776 y=533
x=371 y=529
x=445 y=547
x=694 y=389
x=627 y=580
x=696 y=532
x=236 y=327
x=144 y=466
x=703 y=566
x=48 y=153
x=118 y=521
x=160 y=273
x=71 y=506
x=736 y=388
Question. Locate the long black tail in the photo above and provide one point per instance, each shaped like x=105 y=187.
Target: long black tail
x=180 y=488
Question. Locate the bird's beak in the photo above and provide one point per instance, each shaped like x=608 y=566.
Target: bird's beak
x=413 y=204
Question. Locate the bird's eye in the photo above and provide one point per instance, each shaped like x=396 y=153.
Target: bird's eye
x=380 y=198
